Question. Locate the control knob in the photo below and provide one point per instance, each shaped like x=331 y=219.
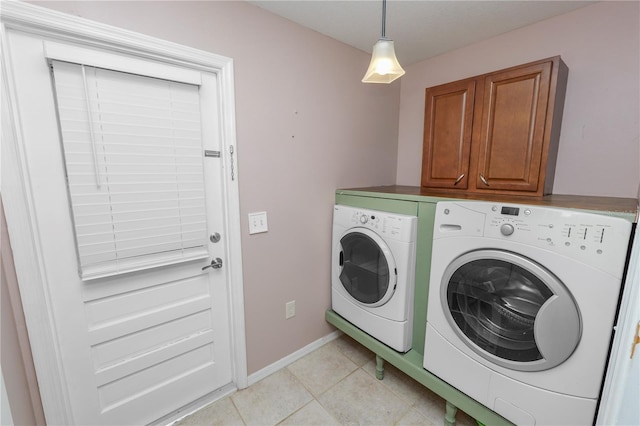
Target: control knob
x=364 y=219
x=506 y=229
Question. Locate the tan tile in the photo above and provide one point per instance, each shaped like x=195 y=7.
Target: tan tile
x=361 y=399
x=322 y=368
x=398 y=382
x=463 y=419
x=272 y=399
x=431 y=406
x=354 y=350
x=413 y=418
x=311 y=414
x=415 y=394
x=221 y=412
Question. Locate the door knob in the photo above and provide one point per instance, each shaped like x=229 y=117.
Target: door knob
x=215 y=264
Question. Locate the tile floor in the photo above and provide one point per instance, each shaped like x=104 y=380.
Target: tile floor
x=334 y=385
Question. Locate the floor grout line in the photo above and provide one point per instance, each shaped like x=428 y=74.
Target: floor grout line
x=410 y=401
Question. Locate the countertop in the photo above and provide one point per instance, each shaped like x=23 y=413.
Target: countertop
x=614 y=206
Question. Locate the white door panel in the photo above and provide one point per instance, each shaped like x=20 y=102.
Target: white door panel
x=619 y=402
x=137 y=346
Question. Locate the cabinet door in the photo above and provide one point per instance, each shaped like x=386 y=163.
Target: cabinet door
x=511 y=128
x=447 y=134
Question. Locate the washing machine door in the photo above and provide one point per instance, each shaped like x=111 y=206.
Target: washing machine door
x=510 y=310
x=366 y=267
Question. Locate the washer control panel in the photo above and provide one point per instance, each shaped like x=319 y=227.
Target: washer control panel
x=391 y=225
x=595 y=239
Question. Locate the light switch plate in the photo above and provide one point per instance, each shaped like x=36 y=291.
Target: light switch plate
x=258 y=222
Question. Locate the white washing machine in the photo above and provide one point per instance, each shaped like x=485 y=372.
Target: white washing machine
x=373 y=272
x=521 y=307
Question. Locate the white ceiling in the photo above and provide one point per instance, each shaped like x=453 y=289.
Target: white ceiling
x=420 y=28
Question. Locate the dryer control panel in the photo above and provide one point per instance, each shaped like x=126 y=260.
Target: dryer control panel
x=599 y=240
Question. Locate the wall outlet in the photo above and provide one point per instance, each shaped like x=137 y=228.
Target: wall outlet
x=258 y=222
x=290 y=309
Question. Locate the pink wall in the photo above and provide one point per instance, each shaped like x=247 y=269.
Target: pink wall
x=599 y=144
x=305 y=126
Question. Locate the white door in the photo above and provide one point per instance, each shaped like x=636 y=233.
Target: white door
x=619 y=403
x=134 y=346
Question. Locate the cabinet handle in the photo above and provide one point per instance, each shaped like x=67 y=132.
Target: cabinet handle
x=483 y=180
x=459 y=179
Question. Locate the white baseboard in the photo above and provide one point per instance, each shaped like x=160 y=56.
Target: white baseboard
x=289 y=359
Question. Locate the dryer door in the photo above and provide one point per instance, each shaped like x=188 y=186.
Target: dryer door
x=367 y=269
x=510 y=310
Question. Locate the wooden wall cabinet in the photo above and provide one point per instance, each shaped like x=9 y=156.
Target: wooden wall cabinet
x=495 y=133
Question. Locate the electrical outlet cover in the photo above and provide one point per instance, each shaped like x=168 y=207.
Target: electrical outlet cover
x=290 y=309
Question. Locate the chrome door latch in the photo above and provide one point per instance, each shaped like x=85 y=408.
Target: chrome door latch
x=636 y=340
x=215 y=264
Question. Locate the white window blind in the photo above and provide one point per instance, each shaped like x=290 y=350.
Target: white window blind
x=133 y=155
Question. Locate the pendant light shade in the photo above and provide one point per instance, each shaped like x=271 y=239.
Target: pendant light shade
x=384 y=66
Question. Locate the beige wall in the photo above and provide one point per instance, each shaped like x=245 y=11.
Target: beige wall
x=599 y=150
x=305 y=126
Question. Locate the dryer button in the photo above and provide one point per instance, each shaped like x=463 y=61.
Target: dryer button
x=506 y=229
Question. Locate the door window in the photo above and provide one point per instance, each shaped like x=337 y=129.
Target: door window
x=368 y=272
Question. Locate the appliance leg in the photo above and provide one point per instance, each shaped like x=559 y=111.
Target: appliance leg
x=379 y=367
x=450 y=415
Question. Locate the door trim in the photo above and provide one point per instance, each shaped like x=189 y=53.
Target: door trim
x=18 y=201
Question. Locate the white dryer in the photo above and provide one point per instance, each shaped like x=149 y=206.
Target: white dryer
x=522 y=301
x=373 y=272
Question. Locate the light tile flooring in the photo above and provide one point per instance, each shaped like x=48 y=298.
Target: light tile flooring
x=334 y=385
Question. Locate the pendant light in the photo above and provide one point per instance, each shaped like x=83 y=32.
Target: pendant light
x=384 y=66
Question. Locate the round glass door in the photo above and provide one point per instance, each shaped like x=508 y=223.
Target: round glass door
x=510 y=310
x=367 y=269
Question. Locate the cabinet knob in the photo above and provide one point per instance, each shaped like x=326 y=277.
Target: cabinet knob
x=459 y=179
x=482 y=178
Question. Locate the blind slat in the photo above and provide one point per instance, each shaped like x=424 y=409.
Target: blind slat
x=149 y=210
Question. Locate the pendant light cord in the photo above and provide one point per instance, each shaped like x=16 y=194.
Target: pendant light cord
x=384 y=16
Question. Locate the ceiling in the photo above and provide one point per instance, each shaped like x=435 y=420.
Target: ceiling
x=420 y=28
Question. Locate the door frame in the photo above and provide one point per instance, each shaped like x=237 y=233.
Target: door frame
x=18 y=201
